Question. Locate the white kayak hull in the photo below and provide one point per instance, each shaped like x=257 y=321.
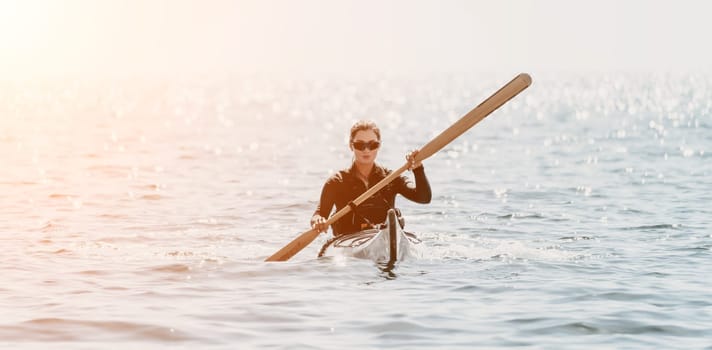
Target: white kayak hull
x=389 y=243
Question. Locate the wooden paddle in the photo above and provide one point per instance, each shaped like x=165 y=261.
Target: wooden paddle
x=504 y=94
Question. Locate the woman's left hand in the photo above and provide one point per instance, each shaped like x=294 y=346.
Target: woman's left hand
x=410 y=157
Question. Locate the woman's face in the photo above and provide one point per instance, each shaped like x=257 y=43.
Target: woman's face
x=369 y=139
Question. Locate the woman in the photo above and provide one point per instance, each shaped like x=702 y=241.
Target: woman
x=346 y=185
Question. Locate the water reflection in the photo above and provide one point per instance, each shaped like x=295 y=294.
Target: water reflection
x=387 y=269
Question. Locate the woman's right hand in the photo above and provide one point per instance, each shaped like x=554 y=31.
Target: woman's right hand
x=319 y=223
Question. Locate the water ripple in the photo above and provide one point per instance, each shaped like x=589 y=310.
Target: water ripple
x=61 y=329
x=140 y=212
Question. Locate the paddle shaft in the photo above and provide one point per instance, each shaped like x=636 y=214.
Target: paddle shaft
x=504 y=94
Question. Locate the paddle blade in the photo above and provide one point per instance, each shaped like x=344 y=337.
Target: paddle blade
x=295 y=246
x=504 y=94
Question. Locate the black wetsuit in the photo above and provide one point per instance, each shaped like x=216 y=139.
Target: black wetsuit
x=345 y=186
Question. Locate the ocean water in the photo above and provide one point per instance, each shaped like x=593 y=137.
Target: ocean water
x=138 y=213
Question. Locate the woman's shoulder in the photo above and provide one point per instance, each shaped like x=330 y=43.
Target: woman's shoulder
x=339 y=176
x=381 y=170
x=386 y=171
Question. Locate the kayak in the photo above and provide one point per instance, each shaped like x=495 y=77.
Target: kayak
x=386 y=244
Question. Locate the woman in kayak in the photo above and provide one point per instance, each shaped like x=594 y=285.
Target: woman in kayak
x=346 y=185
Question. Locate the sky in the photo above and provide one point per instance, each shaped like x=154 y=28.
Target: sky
x=44 y=37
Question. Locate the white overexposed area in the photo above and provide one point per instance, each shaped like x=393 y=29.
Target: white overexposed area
x=324 y=36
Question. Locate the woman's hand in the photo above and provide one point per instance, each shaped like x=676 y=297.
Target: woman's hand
x=319 y=223
x=410 y=157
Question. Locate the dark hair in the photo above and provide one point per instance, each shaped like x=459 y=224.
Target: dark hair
x=362 y=125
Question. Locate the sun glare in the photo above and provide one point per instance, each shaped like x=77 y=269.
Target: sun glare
x=22 y=23
x=24 y=32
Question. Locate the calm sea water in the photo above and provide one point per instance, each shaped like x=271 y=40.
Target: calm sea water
x=139 y=213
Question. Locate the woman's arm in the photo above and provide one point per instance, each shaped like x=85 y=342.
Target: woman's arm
x=420 y=192
x=323 y=208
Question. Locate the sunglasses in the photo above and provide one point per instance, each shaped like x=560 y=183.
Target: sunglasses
x=362 y=145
